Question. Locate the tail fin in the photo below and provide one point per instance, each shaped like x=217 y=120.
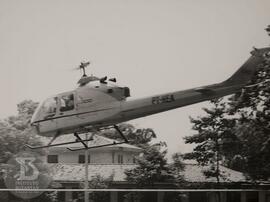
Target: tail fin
x=244 y=74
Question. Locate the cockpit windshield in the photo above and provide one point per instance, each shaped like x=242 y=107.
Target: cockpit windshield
x=50 y=105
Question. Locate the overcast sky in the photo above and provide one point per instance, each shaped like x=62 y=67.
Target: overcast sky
x=150 y=46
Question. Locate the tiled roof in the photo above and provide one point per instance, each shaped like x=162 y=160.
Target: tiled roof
x=194 y=173
x=97 y=140
x=76 y=172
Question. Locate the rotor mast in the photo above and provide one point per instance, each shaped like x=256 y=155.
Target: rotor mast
x=82 y=66
x=85 y=79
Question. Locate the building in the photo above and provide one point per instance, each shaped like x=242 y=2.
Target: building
x=121 y=154
x=68 y=168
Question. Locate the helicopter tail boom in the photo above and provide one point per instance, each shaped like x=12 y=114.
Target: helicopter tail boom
x=164 y=102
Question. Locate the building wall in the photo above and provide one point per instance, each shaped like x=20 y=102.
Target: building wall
x=96 y=157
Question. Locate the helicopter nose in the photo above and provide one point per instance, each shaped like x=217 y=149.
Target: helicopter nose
x=35 y=126
x=32 y=123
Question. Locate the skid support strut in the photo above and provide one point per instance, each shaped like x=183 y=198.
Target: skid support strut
x=125 y=140
x=59 y=144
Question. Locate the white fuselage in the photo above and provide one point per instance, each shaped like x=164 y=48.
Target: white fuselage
x=95 y=109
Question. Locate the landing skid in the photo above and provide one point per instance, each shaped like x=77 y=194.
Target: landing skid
x=125 y=140
x=78 y=139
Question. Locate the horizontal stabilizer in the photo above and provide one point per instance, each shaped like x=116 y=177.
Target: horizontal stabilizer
x=258 y=84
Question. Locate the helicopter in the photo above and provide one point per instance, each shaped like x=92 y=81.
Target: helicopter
x=99 y=103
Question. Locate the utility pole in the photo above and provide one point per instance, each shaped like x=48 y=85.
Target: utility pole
x=86 y=183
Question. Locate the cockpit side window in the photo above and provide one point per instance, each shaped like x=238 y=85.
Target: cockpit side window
x=50 y=105
x=67 y=102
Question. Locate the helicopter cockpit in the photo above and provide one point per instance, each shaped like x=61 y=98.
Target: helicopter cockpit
x=55 y=104
x=65 y=103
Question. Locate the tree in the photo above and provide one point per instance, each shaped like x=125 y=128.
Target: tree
x=177 y=165
x=98 y=182
x=212 y=129
x=140 y=137
x=152 y=167
x=252 y=107
x=25 y=110
x=15 y=131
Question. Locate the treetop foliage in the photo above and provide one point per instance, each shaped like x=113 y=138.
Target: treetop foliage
x=152 y=168
x=15 y=131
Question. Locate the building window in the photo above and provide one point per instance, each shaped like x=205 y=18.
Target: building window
x=120 y=158
x=52 y=159
x=82 y=158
